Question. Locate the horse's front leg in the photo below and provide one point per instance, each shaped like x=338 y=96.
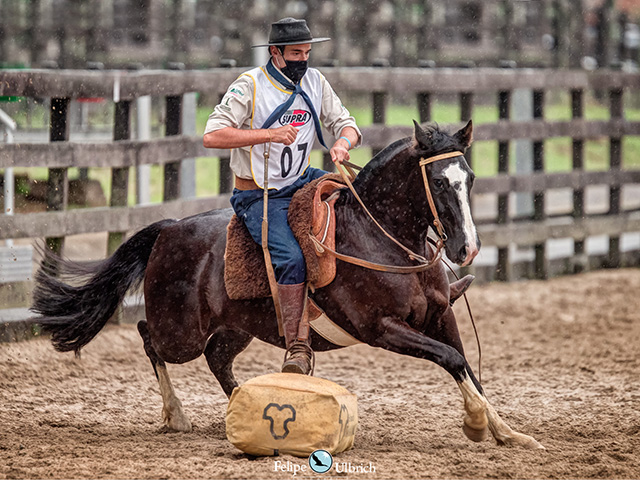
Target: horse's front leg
x=474 y=401
x=397 y=336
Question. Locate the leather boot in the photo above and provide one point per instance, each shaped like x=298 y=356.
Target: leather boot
x=299 y=356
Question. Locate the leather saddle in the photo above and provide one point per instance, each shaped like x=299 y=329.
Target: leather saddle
x=311 y=211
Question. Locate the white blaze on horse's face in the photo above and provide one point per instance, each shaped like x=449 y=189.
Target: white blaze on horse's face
x=458 y=181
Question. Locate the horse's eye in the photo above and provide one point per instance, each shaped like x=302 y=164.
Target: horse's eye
x=439 y=184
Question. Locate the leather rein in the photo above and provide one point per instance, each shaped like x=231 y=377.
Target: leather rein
x=424 y=264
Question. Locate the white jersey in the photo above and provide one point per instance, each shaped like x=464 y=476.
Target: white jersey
x=286 y=162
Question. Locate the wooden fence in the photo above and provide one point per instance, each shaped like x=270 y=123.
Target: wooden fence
x=501 y=231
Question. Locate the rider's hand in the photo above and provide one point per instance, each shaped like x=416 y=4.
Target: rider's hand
x=286 y=134
x=339 y=152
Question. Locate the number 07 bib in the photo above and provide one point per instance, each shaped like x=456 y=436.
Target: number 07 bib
x=286 y=162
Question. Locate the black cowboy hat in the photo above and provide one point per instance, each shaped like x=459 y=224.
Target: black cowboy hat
x=290 y=31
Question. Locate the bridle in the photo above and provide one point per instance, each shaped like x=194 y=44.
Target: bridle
x=424 y=264
x=423 y=166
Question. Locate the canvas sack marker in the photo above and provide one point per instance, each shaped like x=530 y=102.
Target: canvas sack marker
x=291 y=414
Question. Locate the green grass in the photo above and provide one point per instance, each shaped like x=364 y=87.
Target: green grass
x=558 y=151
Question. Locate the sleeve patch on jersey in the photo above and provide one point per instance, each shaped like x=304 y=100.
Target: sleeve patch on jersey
x=236 y=92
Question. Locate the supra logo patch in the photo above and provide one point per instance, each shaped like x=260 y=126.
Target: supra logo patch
x=296 y=118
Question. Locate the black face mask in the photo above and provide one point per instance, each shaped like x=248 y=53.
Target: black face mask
x=295 y=69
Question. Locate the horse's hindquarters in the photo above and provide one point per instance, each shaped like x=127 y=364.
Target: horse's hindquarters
x=181 y=262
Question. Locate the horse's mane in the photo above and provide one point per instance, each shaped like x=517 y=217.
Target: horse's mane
x=433 y=141
x=382 y=157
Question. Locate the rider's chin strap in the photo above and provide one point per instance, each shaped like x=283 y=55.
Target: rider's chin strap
x=423 y=166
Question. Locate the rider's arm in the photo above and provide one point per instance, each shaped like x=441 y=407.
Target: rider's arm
x=230 y=137
x=233 y=112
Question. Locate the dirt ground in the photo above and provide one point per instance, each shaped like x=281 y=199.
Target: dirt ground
x=560 y=363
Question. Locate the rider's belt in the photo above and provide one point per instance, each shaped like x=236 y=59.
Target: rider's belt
x=246 y=184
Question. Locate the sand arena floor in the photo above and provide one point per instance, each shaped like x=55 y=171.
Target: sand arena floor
x=560 y=362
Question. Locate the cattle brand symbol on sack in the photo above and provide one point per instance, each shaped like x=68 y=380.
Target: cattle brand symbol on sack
x=279 y=417
x=296 y=118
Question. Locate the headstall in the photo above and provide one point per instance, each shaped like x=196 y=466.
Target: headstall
x=423 y=166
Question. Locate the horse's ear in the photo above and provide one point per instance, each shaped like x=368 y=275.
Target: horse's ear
x=465 y=135
x=423 y=138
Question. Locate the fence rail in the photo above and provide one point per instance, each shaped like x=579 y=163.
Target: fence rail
x=502 y=230
x=128 y=85
x=131 y=153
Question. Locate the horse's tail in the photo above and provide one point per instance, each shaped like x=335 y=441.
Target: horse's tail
x=74 y=315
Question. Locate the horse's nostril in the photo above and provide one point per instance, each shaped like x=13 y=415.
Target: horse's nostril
x=462 y=253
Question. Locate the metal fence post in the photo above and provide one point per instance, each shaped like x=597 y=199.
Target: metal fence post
x=143 y=126
x=188 y=165
x=503 y=267
x=379 y=100
x=466 y=112
x=8 y=126
x=225 y=175
x=581 y=262
x=540 y=270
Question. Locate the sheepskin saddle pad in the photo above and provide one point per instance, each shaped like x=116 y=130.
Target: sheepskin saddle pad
x=310 y=211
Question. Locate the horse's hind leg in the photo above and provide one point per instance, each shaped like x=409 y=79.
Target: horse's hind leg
x=479 y=412
x=172 y=414
x=222 y=348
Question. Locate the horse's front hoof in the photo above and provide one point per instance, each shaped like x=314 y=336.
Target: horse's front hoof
x=521 y=440
x=475 y=435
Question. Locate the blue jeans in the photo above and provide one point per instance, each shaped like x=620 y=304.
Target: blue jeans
x=286 y=255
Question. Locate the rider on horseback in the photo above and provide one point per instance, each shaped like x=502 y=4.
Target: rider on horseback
x=278 y=108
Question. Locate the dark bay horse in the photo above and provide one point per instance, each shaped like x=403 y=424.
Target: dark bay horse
x=188 y=311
